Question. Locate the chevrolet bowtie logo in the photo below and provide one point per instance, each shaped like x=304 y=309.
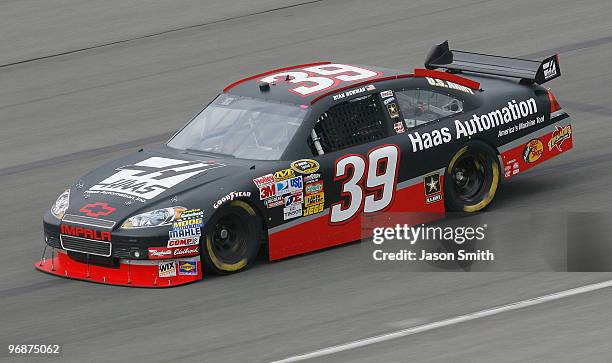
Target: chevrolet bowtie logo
x=97 y=209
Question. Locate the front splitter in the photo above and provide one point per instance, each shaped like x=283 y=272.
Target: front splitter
x=132 y=273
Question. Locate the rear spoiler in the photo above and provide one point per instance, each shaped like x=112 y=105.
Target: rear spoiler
x=529 y=71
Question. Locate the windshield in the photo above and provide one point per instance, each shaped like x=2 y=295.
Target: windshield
x=243 y=127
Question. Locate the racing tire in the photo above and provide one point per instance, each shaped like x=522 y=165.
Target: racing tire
x=471 y=178
x=232 y=238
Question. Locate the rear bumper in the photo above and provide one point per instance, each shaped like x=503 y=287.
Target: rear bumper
x=133 y=273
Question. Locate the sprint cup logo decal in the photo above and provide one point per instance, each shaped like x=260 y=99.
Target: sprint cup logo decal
x=149 y=178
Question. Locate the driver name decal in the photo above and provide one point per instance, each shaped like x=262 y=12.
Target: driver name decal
x=149 y=178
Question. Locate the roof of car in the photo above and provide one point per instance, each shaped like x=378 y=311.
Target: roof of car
x=285 y=84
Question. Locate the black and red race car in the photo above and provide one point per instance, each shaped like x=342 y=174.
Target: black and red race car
x=295 y=157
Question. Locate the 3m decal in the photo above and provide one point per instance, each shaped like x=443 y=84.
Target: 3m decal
x=315 y=79
x=432 y=188
x=533 y=151
x=305 y=166
x=149 y=178
x=368 y=185
x=558 y=136
x=167 y=269
x=188 y=268
x=97 y=209
x=267 y=191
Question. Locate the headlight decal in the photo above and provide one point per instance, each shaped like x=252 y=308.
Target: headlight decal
x=154 y=218
x=61 y=204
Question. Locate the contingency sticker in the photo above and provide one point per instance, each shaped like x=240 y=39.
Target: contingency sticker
x=186 y=230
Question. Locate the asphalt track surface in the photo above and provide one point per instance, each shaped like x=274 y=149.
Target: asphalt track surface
x=82 y=82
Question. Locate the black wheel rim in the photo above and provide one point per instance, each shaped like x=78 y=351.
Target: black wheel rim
x=229 y=239
x=469 y=176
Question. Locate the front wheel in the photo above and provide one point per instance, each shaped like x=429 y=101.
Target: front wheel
x=472 y=178
x=232 y=238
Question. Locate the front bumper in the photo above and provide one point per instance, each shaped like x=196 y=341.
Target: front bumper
x=134 y=273
x=128 y=262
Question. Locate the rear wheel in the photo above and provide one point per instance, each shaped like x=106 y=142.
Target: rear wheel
x=472 y=178
x=232 y=238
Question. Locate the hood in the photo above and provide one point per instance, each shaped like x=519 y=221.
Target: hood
x=148 y=179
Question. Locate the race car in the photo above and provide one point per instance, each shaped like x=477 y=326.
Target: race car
x=295 y=158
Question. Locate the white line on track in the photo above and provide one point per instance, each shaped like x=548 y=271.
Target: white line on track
x=446 y=322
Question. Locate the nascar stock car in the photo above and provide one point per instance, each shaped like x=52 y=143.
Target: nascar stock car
x=294 y=158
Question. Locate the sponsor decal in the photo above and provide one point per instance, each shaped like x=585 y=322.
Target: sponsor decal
x=264 y=180
x=349 y=93
x=289 y=186
x=387 y=101
x=182 y=242
x=558 y=136
x=550 y=69
x=399 y=127
x=149 y=178
x=267 y=191
x=292 y=211
x=83 y=232
x=314 y=187
x=465 y=129
x=187 y=223
x=186 y=251
x=166 y=269
x=313 y=209
x=393 y=111
x=274 y=202
x=370 y=87
x=446 y=84
x=293 y=199
x=186 y=230
x=97 y=209
x=305 y=166
x=512 y=168
x=386 y=94
x=188 y=267
x=432 y=188
x=311 y=178
x=156 y=253
x=312 y=199
x=231 y=196
x=533 y=151
x=284 y=174
x=192 y=213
